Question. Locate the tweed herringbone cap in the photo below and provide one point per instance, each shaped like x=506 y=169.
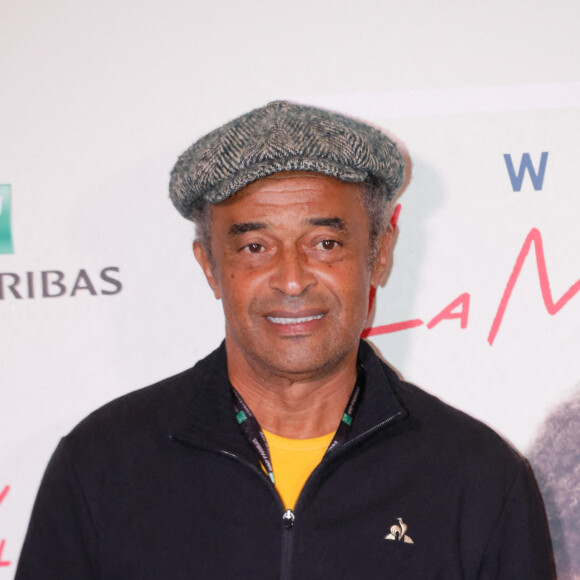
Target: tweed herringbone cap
x=282 y=137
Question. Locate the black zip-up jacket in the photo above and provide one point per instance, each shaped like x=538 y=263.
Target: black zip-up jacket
x=162 y=484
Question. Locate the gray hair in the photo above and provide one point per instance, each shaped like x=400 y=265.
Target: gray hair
x=375 y=197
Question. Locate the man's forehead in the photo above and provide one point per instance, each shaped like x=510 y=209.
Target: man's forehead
x=334 y=223
x=287 y=179
x=285 y=189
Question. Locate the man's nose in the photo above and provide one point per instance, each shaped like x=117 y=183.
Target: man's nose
x=291 y=273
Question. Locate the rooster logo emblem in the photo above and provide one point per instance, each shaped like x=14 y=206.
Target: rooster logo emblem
x=399 y=533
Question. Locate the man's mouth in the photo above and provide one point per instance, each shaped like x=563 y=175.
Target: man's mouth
x=300 y=320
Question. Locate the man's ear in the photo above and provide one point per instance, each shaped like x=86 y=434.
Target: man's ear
x=206 y=263
x=383 y=260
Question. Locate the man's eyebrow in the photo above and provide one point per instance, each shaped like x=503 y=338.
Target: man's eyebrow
x=242 y=228
x=329 y=222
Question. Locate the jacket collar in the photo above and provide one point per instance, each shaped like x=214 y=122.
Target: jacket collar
x=210 y=420
x=380 y=404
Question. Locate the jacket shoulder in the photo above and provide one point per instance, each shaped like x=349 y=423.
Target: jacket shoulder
x=159 y=405
x=435 y=425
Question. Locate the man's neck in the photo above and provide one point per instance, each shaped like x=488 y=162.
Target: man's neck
x=302 y=409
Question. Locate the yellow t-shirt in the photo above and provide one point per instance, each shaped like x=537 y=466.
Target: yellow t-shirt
x=293 y=460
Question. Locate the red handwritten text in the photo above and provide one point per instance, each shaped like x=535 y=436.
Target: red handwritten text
x=534 y=237
x=459 y=308
x=3 y=562
x=4 y=493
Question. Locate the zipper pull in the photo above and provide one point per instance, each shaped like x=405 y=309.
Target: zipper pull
x=288 y=519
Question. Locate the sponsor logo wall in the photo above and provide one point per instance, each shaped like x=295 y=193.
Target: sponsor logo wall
x=99 y=292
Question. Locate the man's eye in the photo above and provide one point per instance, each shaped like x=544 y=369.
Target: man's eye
x=328 y=244
x=253 y=248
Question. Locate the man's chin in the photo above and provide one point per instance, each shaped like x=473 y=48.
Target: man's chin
x=300 y=362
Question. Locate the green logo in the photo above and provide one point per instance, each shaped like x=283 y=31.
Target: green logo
x=346 y=418
x=6 y=246
x=241 y=417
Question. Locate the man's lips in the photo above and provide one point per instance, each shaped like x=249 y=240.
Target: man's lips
x=295 y=320
x=302 y=317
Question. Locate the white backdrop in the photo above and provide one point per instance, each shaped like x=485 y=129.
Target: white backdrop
x=101 y=295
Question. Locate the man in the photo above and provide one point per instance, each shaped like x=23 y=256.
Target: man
x=292 y=451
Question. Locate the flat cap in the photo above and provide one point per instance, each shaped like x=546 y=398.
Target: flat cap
x=282 y=137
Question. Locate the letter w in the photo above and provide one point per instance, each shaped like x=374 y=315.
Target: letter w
x=526 y=164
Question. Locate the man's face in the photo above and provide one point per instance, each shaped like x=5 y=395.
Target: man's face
x=291 y=266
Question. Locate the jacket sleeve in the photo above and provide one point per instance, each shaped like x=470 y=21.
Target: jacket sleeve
x=519 y=546
x=61 y=541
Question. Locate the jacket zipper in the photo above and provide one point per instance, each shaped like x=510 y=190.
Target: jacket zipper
x=288 y=519
x=289 y=516
x=287 y=544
